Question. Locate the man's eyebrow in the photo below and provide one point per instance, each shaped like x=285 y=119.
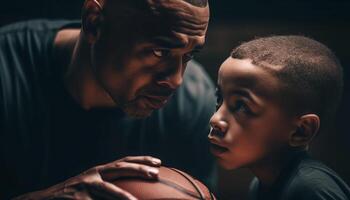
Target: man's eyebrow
x=168 y=42
x=245 y=93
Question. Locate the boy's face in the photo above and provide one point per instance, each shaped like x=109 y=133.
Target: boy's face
x=249 y=126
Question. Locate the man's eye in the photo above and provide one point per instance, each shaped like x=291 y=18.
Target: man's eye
x=161 y=52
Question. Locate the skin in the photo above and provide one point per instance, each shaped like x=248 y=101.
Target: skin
x=95 y=182
x=151 y=70
x=250 y=128
x=102 y=67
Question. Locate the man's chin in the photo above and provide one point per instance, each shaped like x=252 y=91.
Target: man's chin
x=137 y=113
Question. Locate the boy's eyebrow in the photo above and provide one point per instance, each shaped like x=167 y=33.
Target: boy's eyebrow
x=245 y=93
x=243 y=90
x=241 y=93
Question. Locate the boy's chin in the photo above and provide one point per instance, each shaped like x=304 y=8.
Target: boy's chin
x=229 y=165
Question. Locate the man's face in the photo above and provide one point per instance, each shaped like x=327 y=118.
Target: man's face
x=249 y=125
x=141 y=75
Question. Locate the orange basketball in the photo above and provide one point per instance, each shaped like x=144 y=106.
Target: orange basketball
x=171 y=184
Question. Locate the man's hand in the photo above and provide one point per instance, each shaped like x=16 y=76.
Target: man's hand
x=96 y=182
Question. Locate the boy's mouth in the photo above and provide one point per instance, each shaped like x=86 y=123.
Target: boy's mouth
x=217 y=150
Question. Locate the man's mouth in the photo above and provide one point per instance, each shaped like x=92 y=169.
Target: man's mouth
x=155 y=102
x=159 y=92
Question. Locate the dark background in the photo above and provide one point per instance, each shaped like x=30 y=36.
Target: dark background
x=232 y=22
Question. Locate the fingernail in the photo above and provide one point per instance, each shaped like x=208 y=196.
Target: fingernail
x=132 y=198
x=156 y=161
x=153 y=172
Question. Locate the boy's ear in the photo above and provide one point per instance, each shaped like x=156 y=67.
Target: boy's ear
x=92 y=19
x=307 y=128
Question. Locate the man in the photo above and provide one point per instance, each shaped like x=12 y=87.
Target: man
x=72 y=99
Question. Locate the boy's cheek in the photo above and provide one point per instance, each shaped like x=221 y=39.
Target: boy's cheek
x=242 y=155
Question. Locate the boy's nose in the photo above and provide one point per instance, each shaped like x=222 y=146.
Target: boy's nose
x=219 y=126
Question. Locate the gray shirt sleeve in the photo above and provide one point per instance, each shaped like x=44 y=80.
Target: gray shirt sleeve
x=311 y=184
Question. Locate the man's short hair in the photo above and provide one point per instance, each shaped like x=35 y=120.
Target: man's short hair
x=310 y=75
x=138 y=16
x=199 y=3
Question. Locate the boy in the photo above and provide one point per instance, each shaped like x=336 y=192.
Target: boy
x=273 y=95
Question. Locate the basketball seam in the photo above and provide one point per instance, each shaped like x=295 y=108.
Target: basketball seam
x=171 y=184
x=178 y=187
x=202 y=196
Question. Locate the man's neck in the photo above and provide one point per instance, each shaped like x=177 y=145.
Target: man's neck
x=74 y=54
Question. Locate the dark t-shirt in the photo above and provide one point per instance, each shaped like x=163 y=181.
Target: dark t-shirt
x=45 y=137
x=303 y=179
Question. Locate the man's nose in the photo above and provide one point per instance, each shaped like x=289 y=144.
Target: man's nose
x=174 y=77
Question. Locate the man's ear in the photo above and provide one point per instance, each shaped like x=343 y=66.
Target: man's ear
x=92 y=19
x=307 y=127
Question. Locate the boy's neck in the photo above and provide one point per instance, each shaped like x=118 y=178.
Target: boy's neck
x=269 y=169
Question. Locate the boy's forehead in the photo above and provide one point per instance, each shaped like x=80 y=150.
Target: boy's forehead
x=235 y=74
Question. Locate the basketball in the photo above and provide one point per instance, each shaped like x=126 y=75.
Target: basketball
x=171 y=184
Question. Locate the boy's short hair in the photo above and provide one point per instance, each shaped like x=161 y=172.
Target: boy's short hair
x=310 y=74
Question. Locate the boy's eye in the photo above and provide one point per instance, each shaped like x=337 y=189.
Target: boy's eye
x=218 y=98
x=241 y=107
x=161 y=52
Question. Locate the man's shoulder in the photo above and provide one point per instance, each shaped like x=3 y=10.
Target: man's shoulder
x=27 y=65
x=314 y=180
x=196 y=72
x=197 y=91
x=38 y=25
x=197 y=83
x=27 y=39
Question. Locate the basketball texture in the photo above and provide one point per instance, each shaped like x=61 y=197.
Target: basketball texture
x=172 y=184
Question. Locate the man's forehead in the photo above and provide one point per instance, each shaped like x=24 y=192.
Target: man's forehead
x=182 y=17
x=168 y=23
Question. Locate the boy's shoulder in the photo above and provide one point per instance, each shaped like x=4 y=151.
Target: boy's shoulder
x=304 y=179
x=314 y=180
